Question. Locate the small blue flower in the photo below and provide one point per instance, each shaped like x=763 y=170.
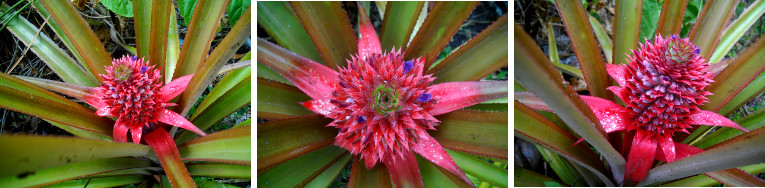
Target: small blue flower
x=362 y=119
x=425 y=97
x=408 y=65
x=143 y=69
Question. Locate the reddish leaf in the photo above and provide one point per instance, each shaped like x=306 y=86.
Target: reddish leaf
x=168 y=156
x=456 y=95
x=404 y=171
x=431 y=150
x=120 y=131
x=616 y=72
x=640 y=159
x=174 y=88
x=320 y=106
x=175 y=119
x=668 y=148
x=703 y=117
x=378 y=176
x=681 y=151
x=368 y=41
x=611 y=115
x=136 y=131
x=314 y=79
x=619 y=92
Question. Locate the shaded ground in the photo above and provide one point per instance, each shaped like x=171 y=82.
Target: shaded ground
x=533 y=16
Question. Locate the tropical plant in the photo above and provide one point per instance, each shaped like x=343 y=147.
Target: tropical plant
x=133 y=91
x=399 y=116
x=666 y=87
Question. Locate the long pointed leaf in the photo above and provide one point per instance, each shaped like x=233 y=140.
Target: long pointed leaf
x=53 y=56
x=736 y=76
x=476 y=59
x=671 y=18
x=528 y=178
x=276 y=142
x=586 y=47
x=50 y=176
x=376 y=177
x=330 y=174
x=733 y=33
x=314 y=79
x=555 y=139
x=480 y=168
x=278 y=101
x=39 y=152
x=442 y=23
x=538 y=75
x=626 y=29
x=281 y=23
x=168 y=156
x=60 y=33
x=754 y=88
x=605 y=41
x=398 y=24
x=103 y=182
x=747 y=148
x=482 y=133
x=142 y=23
x=204 y=24
x=84 y=40
x=451 y=96
x=160 y=18
x=330 y=30
x=228 y=146
x=220 y=170
x=208 y=70
x=705 y=181
x=710 y=24
x=301 y=170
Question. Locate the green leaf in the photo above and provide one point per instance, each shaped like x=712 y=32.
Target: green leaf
x=705 y=181
x=398 y=23
x=208 y=70
x=605 y=41
x=649 y=20
x=232 y=100
x=534 y=128
x=301 y=170
x=278 y=101
x=268 y=74
x=691 y=13
x=142 y=25
x=528 y=178
x=173 y=46
x=561 y=167
x=115 y=181
x=751 y=122
x=747 y=148
x=330 y=174
x=187 y=9
x=710 y=25
x=220 y=170
x=535 y=72
x=582 y=37
x=227 y=146
x=435 y=176
x=235 y=10
x=225 y=85
x=477 y=58
x=376 y=177
x=39 y=152
x=202 y=27
x=671 y=18
x=281 y=23
x=626 y=29
x=53 y=56
x=82 y=37
x=277 y=143
x=480 y=168
x=330 y=30
x=477 y=132
x=71 y=171
x=436 y=31
x=737 y=29
x=122 y=7
x=213 y=183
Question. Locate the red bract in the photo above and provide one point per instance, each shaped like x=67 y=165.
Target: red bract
x=133 y=92
x=662 y=85
x=383 y=105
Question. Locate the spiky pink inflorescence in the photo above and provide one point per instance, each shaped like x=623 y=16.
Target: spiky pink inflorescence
x=130 y=89
x=133 y=91
x=381 y=106
x=665 y=83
